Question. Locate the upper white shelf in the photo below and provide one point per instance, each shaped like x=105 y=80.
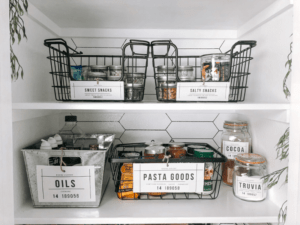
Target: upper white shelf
x=151 y=105
x=225 y=209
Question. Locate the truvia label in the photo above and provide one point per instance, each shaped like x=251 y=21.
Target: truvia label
x=249 y=188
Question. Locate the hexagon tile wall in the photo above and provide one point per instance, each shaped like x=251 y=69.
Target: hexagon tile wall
x=141 y=127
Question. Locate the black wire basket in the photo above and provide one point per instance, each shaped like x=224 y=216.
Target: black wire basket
x=125 y=192
x=234 y=72
x=62 y=57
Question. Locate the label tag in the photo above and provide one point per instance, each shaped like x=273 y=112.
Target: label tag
x=177 y=177
x=76 y=184
x=249 y=187
x=93 y=90
x=232 y=149
x=196 y=91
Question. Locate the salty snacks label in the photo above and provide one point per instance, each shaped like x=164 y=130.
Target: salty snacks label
x=76 y=184
x=97 y=90
x=197 y=91
x=174 y=177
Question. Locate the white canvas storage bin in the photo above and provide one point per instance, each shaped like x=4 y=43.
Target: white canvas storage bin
x=96 y=158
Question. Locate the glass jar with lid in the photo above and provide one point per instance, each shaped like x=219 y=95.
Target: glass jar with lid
x=176 y=150
x=215 y=67
x=166 y=70
x=134 y=92
x=249 y=169
x=186 y=73
x=169 y=90
x=151 y=152
x=115 y=72
x=235 y=140
x=162 y=80
x=97 y=72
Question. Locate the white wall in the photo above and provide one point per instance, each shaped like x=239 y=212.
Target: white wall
x=37 y=82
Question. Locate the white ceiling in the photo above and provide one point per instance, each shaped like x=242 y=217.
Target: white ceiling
x=151 y=14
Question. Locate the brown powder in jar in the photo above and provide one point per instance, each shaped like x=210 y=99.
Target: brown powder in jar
x=169 y=93
x=227 y=168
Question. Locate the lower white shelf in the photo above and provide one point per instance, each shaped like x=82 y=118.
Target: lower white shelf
x=225 y=209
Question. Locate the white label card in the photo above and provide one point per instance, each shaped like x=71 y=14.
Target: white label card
x=93 y=90
x=232 y=149
x=177 y=177
x=76 y=184
x=196 y=91
x=249 y=187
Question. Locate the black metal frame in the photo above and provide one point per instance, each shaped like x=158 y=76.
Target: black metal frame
x=62 y=57
x=240 y=57
x=116 y=163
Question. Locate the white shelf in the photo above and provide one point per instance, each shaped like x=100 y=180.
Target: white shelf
x=225 y=209
x=148 y=105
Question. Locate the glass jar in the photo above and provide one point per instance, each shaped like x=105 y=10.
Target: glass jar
x=215 y=67
x=135 y=78
x=186 y=73
x=161 y=81
x=176 y=150
x=70 y=132
x=115 y=72
x=154 y=151
x=134 y=92
x=85 y=72
x=235 y=140
x=169 y=91
x=163 y=70
x=98 y=72
x=248 y=184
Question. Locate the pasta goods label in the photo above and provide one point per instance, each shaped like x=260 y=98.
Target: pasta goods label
x=232 y=149
x=76 y=184
x=172 y=177
x=249 y=187
x=197 y=91
x=97 y=90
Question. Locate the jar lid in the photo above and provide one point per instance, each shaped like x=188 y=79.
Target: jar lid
x=131 y=154
x=137 y=75
x=237 y=124
x=250 y=158
x=196 y=146
x=176 y=144
x=58 y=139
x=99 y=67
x=188 y=68
x=166 y=78
x=218 y=56
x=154 y=150
x=97 y=74
x=187 y=78
x=153 y=143
x=169 y=85
x=129 y=85
x=162 y=67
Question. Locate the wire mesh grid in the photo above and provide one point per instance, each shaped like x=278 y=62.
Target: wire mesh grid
x=124 y=184
x=62 y=57
x=237 y=68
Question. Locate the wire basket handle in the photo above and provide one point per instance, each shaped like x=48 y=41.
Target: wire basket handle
x=59 y=41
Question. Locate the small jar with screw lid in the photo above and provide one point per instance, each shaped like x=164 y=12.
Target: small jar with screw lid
x=248 y=182
x=235 y=140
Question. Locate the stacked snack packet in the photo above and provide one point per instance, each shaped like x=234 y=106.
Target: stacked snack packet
x=126 y=183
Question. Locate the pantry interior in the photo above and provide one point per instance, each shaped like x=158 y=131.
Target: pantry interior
x=197 y=28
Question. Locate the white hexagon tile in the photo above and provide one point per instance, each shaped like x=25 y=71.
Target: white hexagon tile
x=219 y=121
x=132 y=136
x=102 y=127
x=192 y=130
x=157 y=121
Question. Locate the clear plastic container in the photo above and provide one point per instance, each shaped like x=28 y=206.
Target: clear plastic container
x=248 y=184
x=215 y=67
x=235 y=140
x=163 y=70
x=186 y=73
x=71 y=131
